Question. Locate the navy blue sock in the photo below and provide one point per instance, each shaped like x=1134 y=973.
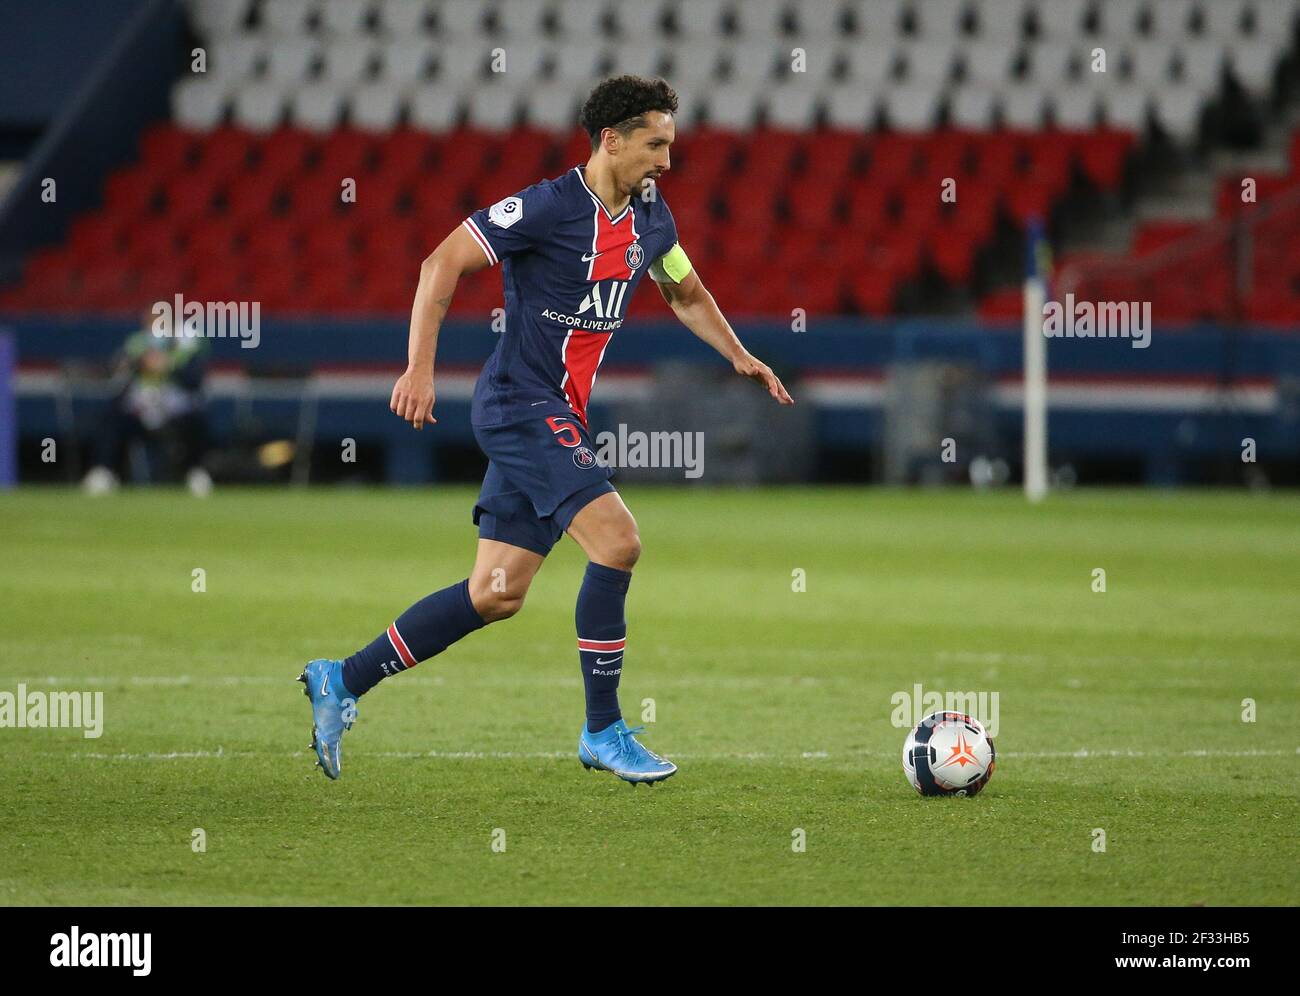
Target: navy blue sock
x=602 y=636
x=427 y=628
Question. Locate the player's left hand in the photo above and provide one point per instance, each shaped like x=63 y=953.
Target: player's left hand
x=756 y=370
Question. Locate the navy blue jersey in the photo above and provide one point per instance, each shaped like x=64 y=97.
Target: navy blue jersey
x=569 y=270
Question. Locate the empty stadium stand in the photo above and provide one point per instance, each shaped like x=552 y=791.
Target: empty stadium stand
x=813 y=144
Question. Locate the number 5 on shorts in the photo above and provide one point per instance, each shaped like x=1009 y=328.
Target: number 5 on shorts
x=560 y=426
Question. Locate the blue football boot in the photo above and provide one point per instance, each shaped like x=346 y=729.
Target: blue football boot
x=616 y=749
x=334 y=709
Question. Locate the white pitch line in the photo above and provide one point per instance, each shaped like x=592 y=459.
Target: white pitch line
x=514 y=680
x=476 y=755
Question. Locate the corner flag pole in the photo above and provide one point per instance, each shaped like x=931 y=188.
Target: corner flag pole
x=1037 y=263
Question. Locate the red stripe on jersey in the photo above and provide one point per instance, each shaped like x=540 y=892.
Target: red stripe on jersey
x=582 y=353
x=404 y=652
x=612 y=240
x=601 y=646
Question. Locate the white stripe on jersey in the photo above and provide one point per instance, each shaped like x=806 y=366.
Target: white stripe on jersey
x=481 y=239
x=595 y=234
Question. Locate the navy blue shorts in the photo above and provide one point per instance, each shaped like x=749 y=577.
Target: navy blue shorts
x=541 y=473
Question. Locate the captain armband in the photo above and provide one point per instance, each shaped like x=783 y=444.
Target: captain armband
x=672 y=267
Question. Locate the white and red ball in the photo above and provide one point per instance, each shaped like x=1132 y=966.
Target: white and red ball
x=948 y=753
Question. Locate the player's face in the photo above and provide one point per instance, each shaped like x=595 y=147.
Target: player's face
x=645 y=151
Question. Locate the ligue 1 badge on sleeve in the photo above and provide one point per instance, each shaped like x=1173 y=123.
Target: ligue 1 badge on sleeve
x=506 y=212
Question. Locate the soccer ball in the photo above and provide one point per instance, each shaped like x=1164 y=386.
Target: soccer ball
x=948 y=753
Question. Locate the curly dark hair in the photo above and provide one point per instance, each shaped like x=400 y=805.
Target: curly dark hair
x=622 y=102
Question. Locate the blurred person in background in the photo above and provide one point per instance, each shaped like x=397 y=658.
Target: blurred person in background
x=159 y=400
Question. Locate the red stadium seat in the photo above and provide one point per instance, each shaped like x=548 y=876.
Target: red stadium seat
x=920 y=205
x=191 y=195
x=272 y=242
x=1155 y=235
x=953 y=258
x=472 y=146
x=1102 y=155
x=130 y=193
x=217 y=280
x=1050 y=161
x=1001 y=160
x=346 y=152
x=868 y=204
x=830 y=157
x=894 y=157
x=49 y=273
x=405 y=152
x=151 y=240
x=167 y=149
x=476 y=295
x=111 y=286
x=315 y=196
x=1274 y=307
x=814 y=205
x=951 y=153
x=703 y=152
x=1027 y=200
x=771 y=152
x=284 y=154
x=577 y=148
x=899 y=251
x=974 y=213
x=748 y=202
x=225 y=152
x=1006 y=304
x=871 y=290
x=255 y=198
x=97 y=234
x=530 y=146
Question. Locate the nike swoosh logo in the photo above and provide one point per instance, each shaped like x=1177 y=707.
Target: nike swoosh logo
x=324 y=685
x=588 y=257
x=612 y=660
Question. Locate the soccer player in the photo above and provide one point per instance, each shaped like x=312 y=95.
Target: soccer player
x=572 y=250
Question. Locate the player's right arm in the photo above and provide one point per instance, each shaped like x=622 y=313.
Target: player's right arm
x=457 y=255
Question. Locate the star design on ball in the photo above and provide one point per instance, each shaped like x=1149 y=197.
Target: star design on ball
x=960 y=753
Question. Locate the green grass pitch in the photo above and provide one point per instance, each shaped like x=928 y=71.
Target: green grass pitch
x=1119 y=711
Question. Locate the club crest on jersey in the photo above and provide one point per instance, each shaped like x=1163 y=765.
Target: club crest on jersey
x=584 y=458
x=506 y=212
x=635 y=256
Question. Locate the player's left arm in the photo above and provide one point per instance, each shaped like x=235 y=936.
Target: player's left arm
x=695 y=308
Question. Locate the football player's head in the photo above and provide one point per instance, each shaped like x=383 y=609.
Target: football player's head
x=630 y=119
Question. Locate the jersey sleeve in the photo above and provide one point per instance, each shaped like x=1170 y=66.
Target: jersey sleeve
x=672 y=266
x=513 y=224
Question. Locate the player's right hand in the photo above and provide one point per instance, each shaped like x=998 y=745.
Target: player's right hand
x=413 y=397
